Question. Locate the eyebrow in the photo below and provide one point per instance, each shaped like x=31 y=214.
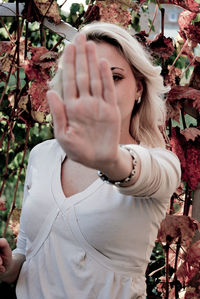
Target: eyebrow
x=115 y=67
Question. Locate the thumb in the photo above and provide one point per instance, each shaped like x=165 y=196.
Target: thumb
x=58 y=111
x=5 y=252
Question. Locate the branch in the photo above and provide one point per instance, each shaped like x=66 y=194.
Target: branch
x=17 y=183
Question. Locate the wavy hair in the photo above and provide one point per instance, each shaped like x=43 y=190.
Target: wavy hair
x=149 y=114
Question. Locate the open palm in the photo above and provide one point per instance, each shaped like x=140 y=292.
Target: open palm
x=87 y=120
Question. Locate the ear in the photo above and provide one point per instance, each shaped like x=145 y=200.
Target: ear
x=139 y=90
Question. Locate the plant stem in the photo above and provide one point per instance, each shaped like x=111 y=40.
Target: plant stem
x=154 y=17
x=167 y=270
x=183 y=119
x=57 y=44
x=17 y=183
x=180 y=53
x=178 y=246
x=162 y=20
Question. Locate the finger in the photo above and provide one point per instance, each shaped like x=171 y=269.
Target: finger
x=2 y=269
x=82 y=73
x=4 y=246
x=95 y=78
x=108 y=83
x=58 y=112
x=69 y=73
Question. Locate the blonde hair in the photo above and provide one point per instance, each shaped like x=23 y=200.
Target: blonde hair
x=149 y=114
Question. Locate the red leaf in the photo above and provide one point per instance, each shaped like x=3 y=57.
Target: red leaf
x=193 y=255
x=188 y=30
x=188 y=153
x=191 y=173
x=190 y=266
x=173 y=227
x=2 y=204
x=176 y=142
x=191 y=5
x=3 y=77
x=114 y=12
x=34 y=72
x=190 y=133
x=195 y=78
x=6 y=47
x=162 y=46
x=38 y=96
x=171 y=75
x=48 y=9
x=185 y=92
x=173 y=111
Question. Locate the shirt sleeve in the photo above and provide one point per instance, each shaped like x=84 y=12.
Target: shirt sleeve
x=21 y=238
x=160 y=173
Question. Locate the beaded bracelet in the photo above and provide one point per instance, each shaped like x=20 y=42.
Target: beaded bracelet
x=104 y=178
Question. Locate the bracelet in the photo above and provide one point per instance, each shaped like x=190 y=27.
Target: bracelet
x=104 y=178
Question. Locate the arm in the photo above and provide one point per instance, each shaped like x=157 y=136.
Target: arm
x=10 y=264
x=160 y=173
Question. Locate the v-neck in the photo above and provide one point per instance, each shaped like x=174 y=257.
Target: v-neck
x=57 y=190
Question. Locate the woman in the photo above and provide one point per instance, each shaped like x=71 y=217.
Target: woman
x=94 y=197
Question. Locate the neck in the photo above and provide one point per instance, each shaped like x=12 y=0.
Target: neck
x=125 y=136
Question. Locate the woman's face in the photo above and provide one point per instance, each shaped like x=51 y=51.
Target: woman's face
x=127 y=88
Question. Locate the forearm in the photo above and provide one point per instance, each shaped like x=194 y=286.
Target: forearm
x=122 y=166
x=13 y=270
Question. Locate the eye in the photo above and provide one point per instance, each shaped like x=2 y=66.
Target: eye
x=117 y=77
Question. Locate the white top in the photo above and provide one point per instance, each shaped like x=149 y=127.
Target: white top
x=95 y=244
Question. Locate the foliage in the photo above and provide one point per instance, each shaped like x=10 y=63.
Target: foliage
x=28 y=57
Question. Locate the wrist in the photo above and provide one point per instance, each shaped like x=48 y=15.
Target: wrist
x=123 y=170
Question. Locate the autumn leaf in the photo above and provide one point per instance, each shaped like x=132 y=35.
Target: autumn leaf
x=190 y=133
x=171 y=75
x=2 y=204
x=187 y=29
x=191 y=265
x=38 y=116
x=6 y=47
x=191 y=173
x=195 y=78
x=48 y=9
x=185 y=92
x=3 y=76
x=177 y=142
x=191 y=5
x=114 y=12
x=92 y=13
x=188 y=153
x=173 y=227
x=173 y=111
x=37 y=91
x=162 y=46
x=22 y=103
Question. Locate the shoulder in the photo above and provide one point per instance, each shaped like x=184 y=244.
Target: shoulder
x=47 y=145
x=45 y=150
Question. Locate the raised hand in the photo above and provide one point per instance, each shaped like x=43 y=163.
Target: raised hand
x=87 y=120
